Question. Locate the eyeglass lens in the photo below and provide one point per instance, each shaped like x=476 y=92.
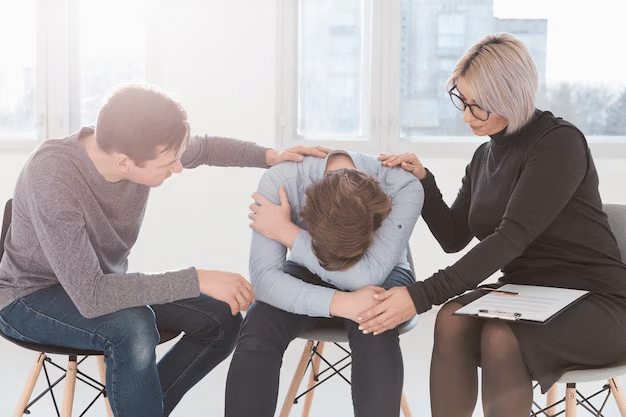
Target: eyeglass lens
x=475 y=109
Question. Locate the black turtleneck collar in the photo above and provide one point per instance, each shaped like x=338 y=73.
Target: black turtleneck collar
x=501 y=138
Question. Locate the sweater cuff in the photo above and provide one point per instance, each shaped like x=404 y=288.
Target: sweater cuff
x=188 y=286
x=428 y=182
x=418 y=295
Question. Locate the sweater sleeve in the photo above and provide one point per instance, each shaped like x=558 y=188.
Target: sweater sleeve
x=217 y=151
x=555 y=167
x=60 y=231
x=271 y=284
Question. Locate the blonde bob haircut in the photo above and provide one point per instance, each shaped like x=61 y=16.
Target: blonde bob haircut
x=501 y=77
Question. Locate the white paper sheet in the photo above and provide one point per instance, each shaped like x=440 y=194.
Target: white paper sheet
x=533 y=303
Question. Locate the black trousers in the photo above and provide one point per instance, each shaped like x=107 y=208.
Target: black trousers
x=253 y=378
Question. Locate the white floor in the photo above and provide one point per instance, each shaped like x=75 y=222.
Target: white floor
x=207 y=398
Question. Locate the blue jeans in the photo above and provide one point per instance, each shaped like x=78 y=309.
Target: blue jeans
x=136 y=385
x=253 y=377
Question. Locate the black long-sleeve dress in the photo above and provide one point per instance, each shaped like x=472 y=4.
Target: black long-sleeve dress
x=532 y=200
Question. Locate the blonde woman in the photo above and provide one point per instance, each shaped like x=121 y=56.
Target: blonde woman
x=530 y=196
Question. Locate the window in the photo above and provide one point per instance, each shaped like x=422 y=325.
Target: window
x=65 y=57
x=371 y=74
x=17 y=72
x=111 y=51
x=333 y=68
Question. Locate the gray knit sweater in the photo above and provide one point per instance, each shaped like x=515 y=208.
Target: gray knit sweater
x=72 y=227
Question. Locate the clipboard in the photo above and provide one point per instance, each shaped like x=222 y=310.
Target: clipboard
x=526 y=303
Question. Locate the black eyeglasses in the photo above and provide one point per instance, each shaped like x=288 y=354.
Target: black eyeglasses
x=478 y=112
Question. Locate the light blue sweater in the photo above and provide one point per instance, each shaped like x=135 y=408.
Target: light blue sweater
x=388 y=249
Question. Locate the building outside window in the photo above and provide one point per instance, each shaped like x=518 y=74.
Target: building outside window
x=395 y=93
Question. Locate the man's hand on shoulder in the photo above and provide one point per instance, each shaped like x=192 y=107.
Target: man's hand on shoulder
x=295 y=154
x=228 y=287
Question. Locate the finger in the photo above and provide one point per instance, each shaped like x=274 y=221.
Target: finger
x=318 y=151
x=242 y=303
x=382 y=295
x=368 y=326
x=384 y=157
x=234 y=307
x=282 y=195
x=390 y=320
x=408 y=166
x=291 y=156
x=388 y=325
x=247 y=293
x=370 y=314
x=260 y=200
x=393 y=161
x=244 y=290
x=379 y=324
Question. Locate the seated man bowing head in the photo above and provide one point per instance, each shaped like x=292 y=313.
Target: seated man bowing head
x=327 y=234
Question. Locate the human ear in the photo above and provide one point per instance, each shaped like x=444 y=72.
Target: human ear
x=123 y=163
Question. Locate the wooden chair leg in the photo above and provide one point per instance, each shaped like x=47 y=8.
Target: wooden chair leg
x=70 y=385
x=297 y=379
x=619 y=396
x=103 y=378
x=404 y=406
x=29 y=386
x=551 y=398
x=570 y=400
x=308 y=399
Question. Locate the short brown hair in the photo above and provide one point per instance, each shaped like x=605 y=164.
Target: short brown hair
x=342 y=212
x=136 y=120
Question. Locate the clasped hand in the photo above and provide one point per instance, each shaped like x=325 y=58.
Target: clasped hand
x=394 y=307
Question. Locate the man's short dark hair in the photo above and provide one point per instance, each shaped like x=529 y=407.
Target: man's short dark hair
x=138 y=121
x=342 y=212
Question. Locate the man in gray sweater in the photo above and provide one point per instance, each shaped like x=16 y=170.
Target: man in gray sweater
x=77 y=210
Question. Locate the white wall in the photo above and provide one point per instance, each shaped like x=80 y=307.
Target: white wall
x=218 y=58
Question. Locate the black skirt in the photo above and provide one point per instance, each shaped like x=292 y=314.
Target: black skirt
x=591 y=333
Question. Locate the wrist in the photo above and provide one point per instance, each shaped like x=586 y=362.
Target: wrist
x=271 y=157
x=288 y=235
x=337 y=304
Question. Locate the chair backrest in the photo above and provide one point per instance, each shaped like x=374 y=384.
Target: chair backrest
x=6 y=220
x=617 y=221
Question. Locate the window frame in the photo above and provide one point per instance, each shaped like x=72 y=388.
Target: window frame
x=385 y=129
x=52 y=77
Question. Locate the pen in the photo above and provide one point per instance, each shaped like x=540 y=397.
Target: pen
x=499 y=291
x=496 y=314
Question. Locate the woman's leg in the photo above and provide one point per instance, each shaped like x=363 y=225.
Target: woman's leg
x=210 y=332
x=507 y=383
x=252 y=383
x=454 y=364
x=127 y=337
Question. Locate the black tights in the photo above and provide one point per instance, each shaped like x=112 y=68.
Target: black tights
x=462 y=345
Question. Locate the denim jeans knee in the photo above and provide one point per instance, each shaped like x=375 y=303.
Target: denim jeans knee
x=134 y=330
